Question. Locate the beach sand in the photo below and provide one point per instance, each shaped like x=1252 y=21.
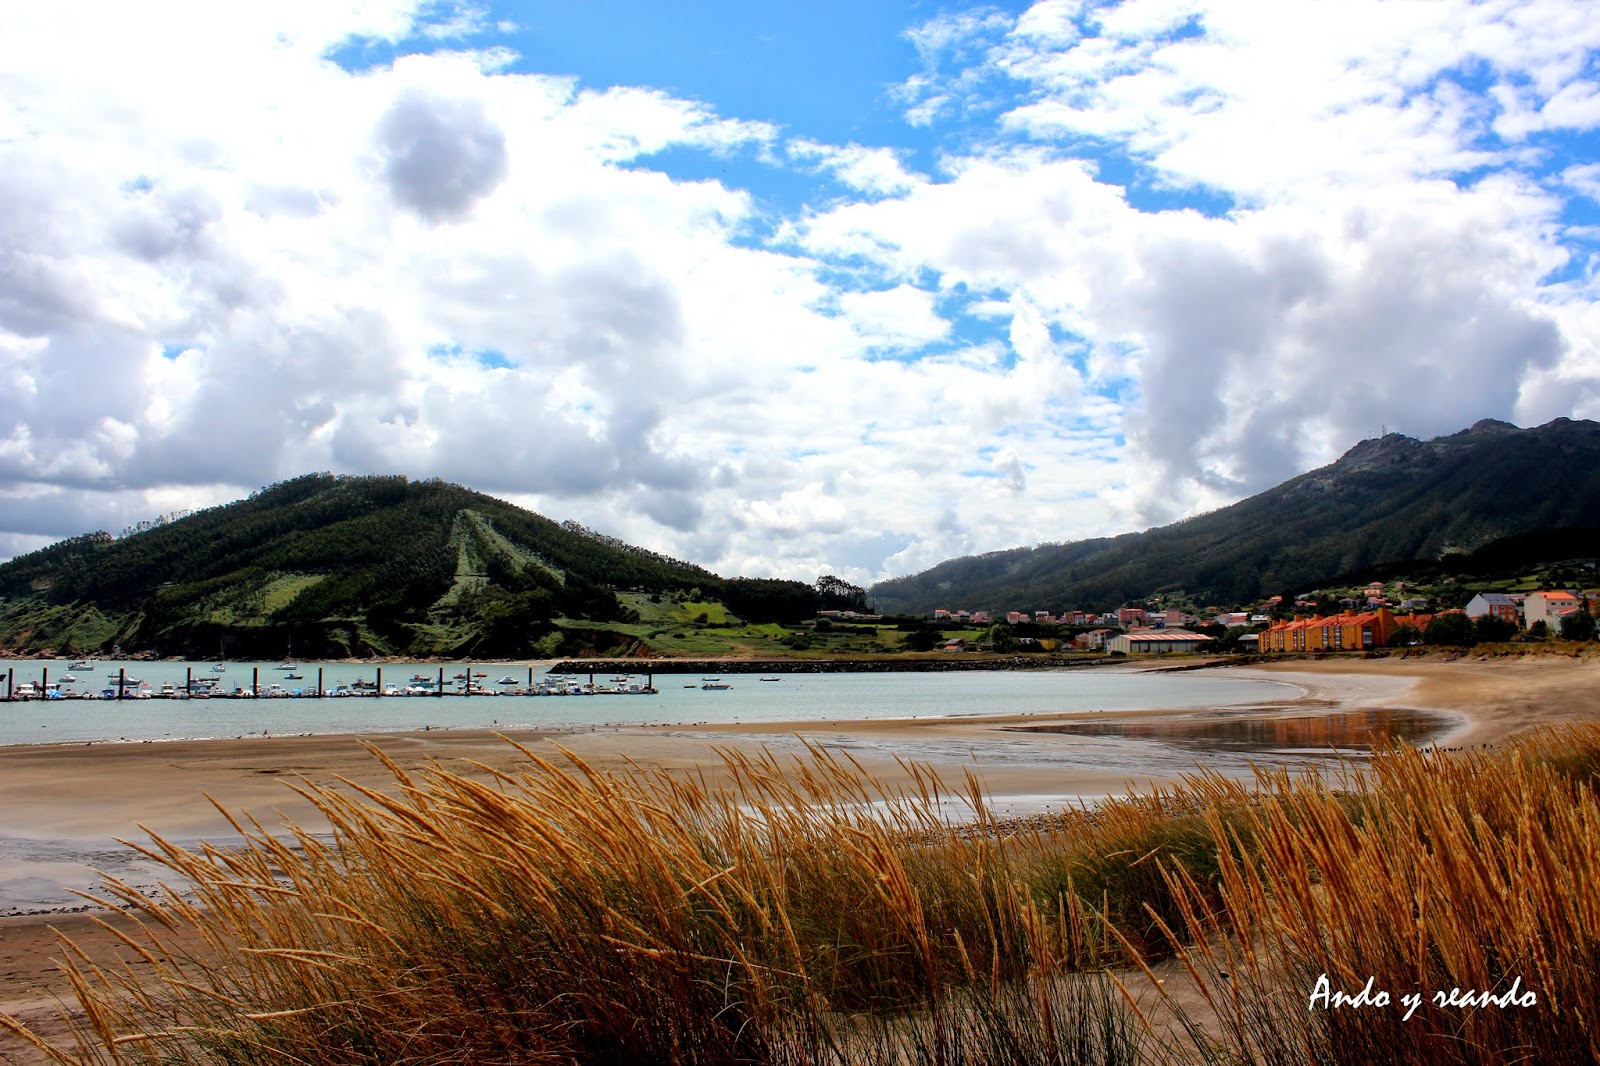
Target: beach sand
x=66 y=805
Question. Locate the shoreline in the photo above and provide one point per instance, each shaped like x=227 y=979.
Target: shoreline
x=66 y=803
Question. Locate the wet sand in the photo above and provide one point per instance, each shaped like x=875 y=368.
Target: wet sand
x=64 y=806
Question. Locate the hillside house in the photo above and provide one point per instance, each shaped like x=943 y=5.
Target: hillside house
x=1548 y=607
x=1093 y=640
x=1495 y=604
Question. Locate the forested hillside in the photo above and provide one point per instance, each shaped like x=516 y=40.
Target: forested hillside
x=1386 y=500
x=326 y=565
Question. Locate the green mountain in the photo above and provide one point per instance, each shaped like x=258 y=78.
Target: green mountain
x=323 y=566
x=1386 y=500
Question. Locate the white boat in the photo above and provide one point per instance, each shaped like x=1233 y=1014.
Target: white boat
x=218 y=668
x=507 y=680
x=67 y=678
x=772 y=679
x=284 y=666
x=83 y=664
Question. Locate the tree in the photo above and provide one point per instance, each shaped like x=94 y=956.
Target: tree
x=1454 y=630
x=1540 y=630
x=835 y=593
x=1579 y=625
x=1492 y=629
x=1001 y=636
x=1405 y=634
x=922 y=640
x=769 y=599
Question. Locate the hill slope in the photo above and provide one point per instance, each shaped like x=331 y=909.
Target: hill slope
x=1385 y=500
x=323 y=565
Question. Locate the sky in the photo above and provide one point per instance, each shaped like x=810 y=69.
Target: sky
x=782 y=289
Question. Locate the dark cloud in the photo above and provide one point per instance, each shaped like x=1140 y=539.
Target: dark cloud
x=441 y=156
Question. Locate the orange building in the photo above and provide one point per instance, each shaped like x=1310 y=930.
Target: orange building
x=1346 y=631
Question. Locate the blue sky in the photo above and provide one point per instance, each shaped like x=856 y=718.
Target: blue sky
x=783 y=289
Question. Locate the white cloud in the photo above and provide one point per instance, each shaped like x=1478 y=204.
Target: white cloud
x=225 y=260
x=867 y=170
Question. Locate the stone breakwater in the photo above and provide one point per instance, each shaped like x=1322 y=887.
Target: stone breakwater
x=818 y=666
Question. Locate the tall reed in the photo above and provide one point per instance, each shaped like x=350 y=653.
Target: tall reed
x=806 y=913
x=1476 y=873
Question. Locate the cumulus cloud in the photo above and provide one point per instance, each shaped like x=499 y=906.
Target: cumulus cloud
x=1151 y=257
x=440 y=156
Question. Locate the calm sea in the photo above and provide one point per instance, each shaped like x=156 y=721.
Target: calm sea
x=680 y=700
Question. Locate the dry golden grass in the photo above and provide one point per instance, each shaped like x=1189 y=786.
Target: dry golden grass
x=811 y=914
x=1428 y=874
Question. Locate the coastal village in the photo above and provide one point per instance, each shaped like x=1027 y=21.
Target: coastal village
x=1376 y=616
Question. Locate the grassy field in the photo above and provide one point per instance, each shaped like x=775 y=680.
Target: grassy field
x=808 y=914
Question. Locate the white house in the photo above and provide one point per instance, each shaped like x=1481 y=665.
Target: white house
x=1548 y=607
x=1496 y=603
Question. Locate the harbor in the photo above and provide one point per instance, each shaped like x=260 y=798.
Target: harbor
x=76 y=682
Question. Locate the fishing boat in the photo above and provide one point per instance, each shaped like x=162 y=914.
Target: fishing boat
x=713 y=686
x=293 y=677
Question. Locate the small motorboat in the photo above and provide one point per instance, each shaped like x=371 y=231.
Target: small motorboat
x=507 y=680
x=218 y=668
x=715 y=686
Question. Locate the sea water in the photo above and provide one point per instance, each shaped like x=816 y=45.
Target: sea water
x=680 y=700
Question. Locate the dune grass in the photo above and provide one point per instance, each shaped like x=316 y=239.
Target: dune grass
x=808 y=913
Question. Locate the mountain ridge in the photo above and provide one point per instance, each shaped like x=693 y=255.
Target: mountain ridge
x=331 y=565
x=1385 y=500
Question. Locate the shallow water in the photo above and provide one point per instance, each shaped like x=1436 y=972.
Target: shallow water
x=1298 y=734
x=795 y=697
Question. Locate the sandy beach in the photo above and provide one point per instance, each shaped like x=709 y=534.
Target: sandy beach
x=67 y=805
